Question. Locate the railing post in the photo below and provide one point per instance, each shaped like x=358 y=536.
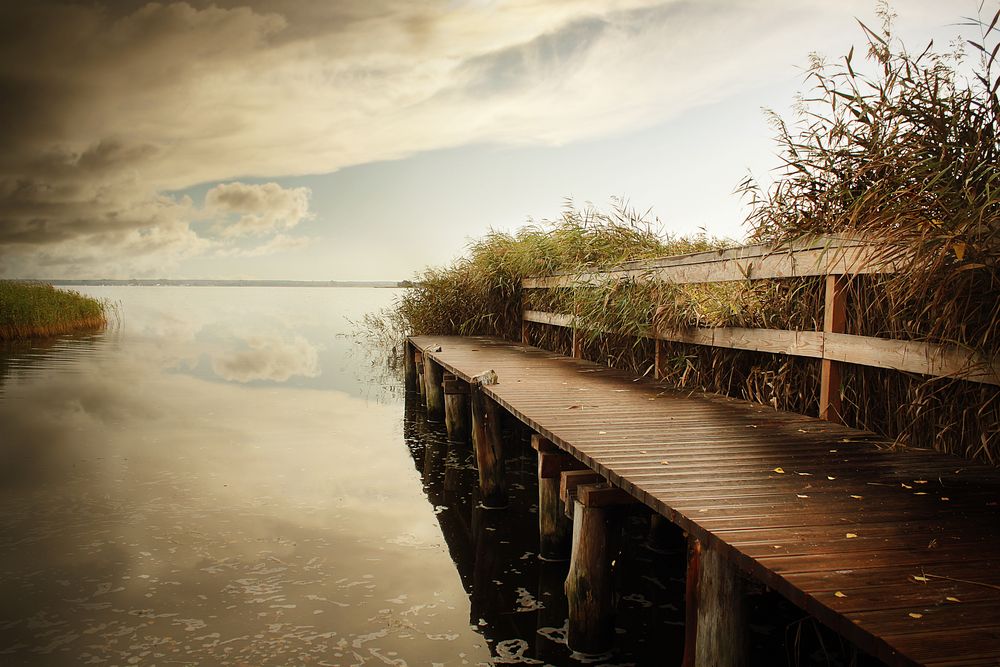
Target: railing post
x=834 y=321
x=658 y=360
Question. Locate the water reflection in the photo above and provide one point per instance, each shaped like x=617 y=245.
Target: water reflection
x=228 y=479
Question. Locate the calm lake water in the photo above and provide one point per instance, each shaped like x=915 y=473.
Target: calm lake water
x=228 y=479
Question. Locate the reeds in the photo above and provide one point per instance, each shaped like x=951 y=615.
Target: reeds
x=37 y=310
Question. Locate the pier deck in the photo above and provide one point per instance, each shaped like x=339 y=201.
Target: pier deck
x=898 y=551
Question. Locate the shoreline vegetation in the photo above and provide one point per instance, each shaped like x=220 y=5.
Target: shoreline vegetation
x=31 y=310
x=899 y=147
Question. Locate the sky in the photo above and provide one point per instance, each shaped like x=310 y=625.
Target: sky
x=368 y=139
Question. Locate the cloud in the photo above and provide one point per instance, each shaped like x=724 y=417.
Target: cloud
x=273 y=359
x=109 y=107
x=259 y=209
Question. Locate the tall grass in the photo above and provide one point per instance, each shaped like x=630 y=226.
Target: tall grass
x=37 y=310
x=895 y=147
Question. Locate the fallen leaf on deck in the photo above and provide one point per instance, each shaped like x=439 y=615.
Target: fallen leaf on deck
x=850 y=535
x=666 y=463
x=907 y=486
x=918 y=578
x=945 y=498
x=952 y=599
x=839 y=595
x=573 y=407
x=857 y=497
x=602 y=433
x=914 y=614
x=831 y=477
x=920 y=481
x=801 y=495
x=779 y=470
x=805 y=474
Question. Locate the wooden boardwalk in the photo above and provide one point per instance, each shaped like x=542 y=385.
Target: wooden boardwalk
x=897 y=551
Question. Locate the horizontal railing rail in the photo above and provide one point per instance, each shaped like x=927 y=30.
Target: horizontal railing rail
x=835 y=258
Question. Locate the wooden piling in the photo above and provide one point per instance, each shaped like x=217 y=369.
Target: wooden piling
x=457 y=416
x=433 y=391
x=488 y=443
x=589 y=584
x=555 y=530
x=418 y=362
x=409 y=366
x=716 y=633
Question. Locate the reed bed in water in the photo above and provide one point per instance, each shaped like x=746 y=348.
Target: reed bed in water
x=38 y=310
x=897 y=148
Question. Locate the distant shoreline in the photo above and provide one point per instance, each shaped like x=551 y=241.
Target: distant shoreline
x=230 y=283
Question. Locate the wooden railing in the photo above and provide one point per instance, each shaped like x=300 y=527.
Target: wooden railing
x=836 y=259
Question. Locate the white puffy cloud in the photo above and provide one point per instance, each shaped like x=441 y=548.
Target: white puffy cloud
x=258 y=209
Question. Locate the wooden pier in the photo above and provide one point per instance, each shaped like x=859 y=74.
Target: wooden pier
x=898 y=551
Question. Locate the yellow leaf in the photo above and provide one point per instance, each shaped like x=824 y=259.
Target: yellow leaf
x=857 y=497
x=805 y=474
x=914 y=614
x=959 y=250
x=779 y=470
x=920 y=481
x=952 y=599
x=839 y=595
x=923 y=579
x=801 y=495
x=830 y=477
x=666 y=463
x=850 y=535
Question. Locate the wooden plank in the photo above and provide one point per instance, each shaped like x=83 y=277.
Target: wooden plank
x=932 y=359
x=913 y=357
x=825 y=257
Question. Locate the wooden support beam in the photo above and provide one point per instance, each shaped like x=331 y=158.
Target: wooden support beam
x=691 y=602
x=589 y=589
x=418 y=362
x=716 y=610
x=409 y=366
x=433 y=391
x=488 y=443
x=554 y=527
x=457 y=415
x=569 y=480
x=834 y=319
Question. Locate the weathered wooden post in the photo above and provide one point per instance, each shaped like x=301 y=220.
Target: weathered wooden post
x=456 y=408
x=715 y=613
x=589 y=584
x=834 y=321
x=418 y=362
x=488 y=443
x=409 y=366
x=555 y=530
x=433 y=391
